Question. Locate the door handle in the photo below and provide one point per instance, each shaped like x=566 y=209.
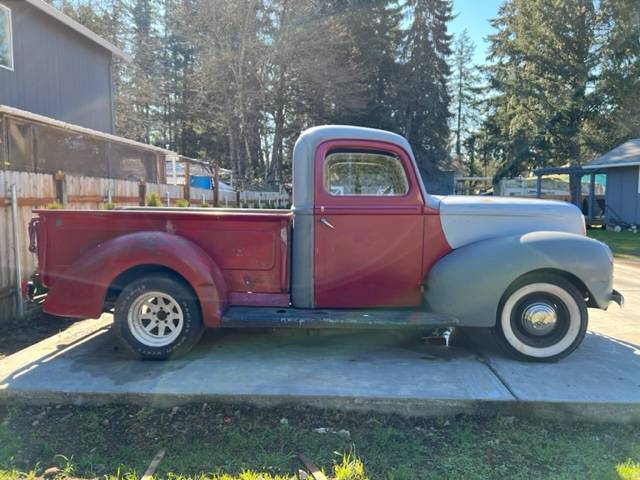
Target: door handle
x=324 y=221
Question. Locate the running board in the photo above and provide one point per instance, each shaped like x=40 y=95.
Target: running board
x=260 y=317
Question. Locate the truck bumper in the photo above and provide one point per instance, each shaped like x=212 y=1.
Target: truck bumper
x=617 y=297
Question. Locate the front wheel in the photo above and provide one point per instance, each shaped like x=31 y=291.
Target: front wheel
x=543 y=317
x=158 y=316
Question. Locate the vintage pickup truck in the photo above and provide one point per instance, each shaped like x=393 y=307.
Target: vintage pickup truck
x=364 y=245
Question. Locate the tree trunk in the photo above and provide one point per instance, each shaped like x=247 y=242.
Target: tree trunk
x=575 y=186
x=459 y=123
x=241 y=85
x=275 y=170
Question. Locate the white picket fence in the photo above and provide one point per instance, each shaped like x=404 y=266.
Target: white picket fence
x=247 y=198
x=201 y=195
x=167 y=193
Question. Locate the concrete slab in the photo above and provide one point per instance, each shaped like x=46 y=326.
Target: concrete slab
x=622 y=324
x=602 y=370
x=605 y=370
x=389 y=370
x=378 y=370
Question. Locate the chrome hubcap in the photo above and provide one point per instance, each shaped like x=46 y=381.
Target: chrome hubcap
x=539 y=318
x=155 y=319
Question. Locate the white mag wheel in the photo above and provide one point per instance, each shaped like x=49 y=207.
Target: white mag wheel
x=158 y=316
x=155 y=319
x=543 y=319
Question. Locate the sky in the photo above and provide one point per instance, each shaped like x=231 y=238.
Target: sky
x=474 y=15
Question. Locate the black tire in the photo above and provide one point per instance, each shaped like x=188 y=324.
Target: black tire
x=177 y=311
x=542 y=318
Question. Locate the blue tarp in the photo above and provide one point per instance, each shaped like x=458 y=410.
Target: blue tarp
x=202 y=181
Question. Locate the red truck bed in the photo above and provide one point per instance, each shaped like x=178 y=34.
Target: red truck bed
x=251 y=247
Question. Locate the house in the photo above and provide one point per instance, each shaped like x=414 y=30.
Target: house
x=53 y=66
x=622 y=168
x=56 y=105
x=34 y=143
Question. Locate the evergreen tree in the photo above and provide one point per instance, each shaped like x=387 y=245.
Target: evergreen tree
x=542 y=72
x=424 y=98
x=236 y=82
x=619 y=82
x=142 y=81
x=465 y=90
x=376 y=36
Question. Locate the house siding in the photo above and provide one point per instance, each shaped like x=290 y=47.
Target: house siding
x=57 y=72
x=622 y=197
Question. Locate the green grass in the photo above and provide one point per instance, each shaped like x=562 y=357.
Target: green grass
x=623 y=244
x=241 y=443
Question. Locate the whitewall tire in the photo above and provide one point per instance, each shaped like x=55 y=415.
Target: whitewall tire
x=543 y=317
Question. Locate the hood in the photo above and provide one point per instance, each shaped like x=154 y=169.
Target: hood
x=470 y=219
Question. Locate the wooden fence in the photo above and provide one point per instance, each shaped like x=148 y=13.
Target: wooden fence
x=35 y=190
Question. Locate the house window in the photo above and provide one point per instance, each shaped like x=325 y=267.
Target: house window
x=365 y=173
x=6 y=40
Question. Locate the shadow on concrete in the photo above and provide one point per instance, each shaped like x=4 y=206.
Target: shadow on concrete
x=360 y=367
x=61 y=346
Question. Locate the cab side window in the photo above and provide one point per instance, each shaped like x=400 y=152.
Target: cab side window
x=364 y=174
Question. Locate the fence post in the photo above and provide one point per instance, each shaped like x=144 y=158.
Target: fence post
x=60 y=187
x=216 y=185
x=238 y=198
x=187 y=181
x=592 y=195
x=142 y=192
x=16 y=250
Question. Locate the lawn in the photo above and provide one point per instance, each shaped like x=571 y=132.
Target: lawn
x=623 y=244
x=210 y=441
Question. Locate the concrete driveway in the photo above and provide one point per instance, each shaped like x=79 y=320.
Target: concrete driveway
x=375 y=370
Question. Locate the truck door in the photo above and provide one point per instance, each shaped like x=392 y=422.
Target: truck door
x=368 y=226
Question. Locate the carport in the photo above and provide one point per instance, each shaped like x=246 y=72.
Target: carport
x=622 y=166
x=593 y=214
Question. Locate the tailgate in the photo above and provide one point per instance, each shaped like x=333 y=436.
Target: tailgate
x=38 y=244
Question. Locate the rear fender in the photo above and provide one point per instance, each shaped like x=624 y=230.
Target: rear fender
x=469 y=282
x=81 y=290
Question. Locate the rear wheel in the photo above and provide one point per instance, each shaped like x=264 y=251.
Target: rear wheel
x=157 y=316
x=543 y=317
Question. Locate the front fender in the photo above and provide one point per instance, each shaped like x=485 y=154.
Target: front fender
x=81 y=290
x=469 y=282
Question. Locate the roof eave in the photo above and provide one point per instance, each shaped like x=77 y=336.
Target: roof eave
x=71 y=23
x=23 y=114
x=611 y=165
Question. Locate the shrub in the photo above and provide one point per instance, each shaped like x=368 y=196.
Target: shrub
x=153 y=200
x=108 y=206
x=182 y=203
x=55 y=205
